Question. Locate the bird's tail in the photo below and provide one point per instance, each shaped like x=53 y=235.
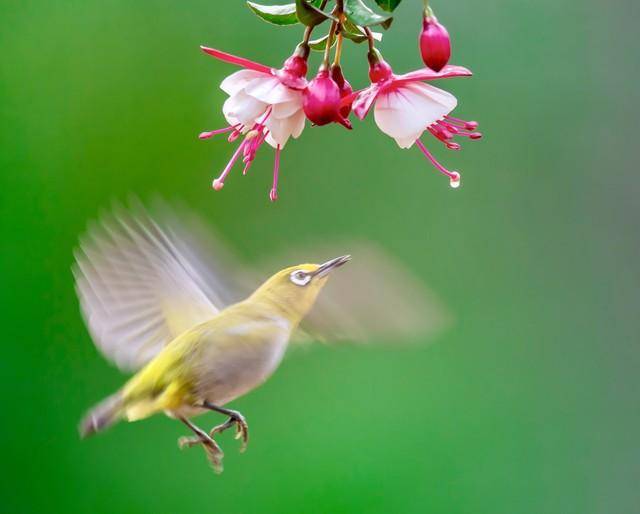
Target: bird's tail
x=102 y=416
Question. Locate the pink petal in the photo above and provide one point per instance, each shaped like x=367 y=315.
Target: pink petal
x=365 y=99
x=448 y=71
x=238 y=61
x=289 y=79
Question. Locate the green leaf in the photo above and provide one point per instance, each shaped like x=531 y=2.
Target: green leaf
x=361 y=38
x=276 y=14
x=388 y=5
x=309 y=15
x=321 y=43
x=360 y=14
x=356 y=34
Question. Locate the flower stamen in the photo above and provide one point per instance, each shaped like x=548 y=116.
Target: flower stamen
x=211 y=133
x=218 y=183
x=273 y=194
x=469 y=125
x=454 y=176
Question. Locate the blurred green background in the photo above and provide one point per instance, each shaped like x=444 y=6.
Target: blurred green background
x=529 y=404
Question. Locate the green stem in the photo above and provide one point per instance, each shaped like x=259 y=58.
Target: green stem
x=307 y=35
x=428 y=12
x=308 y=30
x=370 y=40
x=327 y=48
x=338 y=54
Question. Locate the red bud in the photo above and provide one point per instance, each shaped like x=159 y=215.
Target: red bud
x=435 y=44
x=321 y=100
x=379 y=69
x=344 y=87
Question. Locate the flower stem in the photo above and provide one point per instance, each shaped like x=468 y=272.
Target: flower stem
x=370 y=40
x=308 y=30
x=327 y=48
x=307 y=36
x=427 y=12
x=338 y=54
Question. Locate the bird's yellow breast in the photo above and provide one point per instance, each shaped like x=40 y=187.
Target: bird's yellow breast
x=216 y=361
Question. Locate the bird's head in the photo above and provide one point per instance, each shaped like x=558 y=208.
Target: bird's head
x=295 y=289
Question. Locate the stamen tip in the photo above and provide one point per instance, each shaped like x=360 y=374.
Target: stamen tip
x=205 y=135
x=475 y=135
x=217 y=184
x=273 y=195
x=471 y=125
x=454 y=181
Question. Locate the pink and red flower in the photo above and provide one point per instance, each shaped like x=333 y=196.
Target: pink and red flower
x=322 y=100
x=264 y=105
x=404 y=107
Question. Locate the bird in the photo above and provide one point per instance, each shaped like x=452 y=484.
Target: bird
x=208 y=362
x=164 y=299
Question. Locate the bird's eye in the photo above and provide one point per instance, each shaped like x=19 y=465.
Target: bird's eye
x=300 y=278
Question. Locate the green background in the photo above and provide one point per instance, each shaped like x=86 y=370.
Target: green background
x=529 y=404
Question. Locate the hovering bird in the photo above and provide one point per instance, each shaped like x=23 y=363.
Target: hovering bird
x=155 y=300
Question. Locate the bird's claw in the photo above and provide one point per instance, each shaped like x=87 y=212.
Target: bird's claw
x=188 y=442
x=242 y=428
x=211 y=448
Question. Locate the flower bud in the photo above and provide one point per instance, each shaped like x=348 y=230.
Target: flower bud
x=321 y=100
x=344 y=87
x=435 y=45
x=379 y=69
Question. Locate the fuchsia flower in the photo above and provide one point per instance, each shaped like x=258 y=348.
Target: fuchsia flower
x=435 y=45
x=321 y=100
x=405 y=107
x=264 y=105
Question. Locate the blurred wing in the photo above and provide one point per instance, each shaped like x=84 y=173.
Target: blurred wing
x=141 y=283
x=374 y=298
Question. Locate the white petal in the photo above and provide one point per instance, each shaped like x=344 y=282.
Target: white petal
x=442 y=102
x=239 y=80
x=270 y=90
x=243 y=108
x=407 y=142
x=297 y=121
x=279 y=131
x=286 y=109
x=404 y=113
x=272 y=142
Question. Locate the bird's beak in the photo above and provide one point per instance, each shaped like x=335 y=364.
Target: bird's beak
x=329 y=266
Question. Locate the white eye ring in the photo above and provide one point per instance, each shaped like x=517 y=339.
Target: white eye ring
x=300 y=278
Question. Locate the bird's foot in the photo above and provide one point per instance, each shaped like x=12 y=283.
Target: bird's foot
x=242 y=428
x=212 y=449
x=188 y=442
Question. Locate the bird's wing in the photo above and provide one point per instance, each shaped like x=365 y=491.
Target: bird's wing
x=142 y=282
x=375 y=298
